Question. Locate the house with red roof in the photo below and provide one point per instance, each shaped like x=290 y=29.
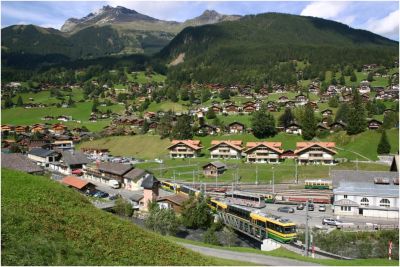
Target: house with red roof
x=76 y=183
x=185 y=148
x=315 y=152
x=263 y=152
x=226 y=149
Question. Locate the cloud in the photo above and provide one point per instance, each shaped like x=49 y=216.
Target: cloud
x=326 y=10
x=388 y=26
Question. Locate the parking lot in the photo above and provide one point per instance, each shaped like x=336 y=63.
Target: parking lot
x=299 y=216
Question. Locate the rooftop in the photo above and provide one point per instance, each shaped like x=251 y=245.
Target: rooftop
x=19 y=162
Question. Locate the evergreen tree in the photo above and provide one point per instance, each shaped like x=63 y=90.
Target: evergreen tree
x=171 y=94
x=286 y=118
x=164 y=128
x=225 y=94
x=20 y=103
x=308 y=123
x=95 y=105
x=390 y=120
x=182 y=129
x=263 y=123
x=145 y=127
x=8 y=103
x=353 y=77
x=333 y=102
x=370 y=76
x=210 y=114
x=357 y=117
x=185 y=94
x=342 y=113
x=342 y=80
x=196 y=213
x=383 y=146
x=205 y=95
x=192 y=97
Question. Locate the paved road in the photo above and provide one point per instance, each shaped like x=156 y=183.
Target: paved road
x=247 y=257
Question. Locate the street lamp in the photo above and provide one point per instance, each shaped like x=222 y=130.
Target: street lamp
x=273 y=181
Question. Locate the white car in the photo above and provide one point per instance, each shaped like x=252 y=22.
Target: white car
x=114 y=184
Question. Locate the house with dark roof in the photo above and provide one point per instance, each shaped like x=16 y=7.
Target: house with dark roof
x=70 y=162
x=174 y=202
x=293 y=128
x=43 y=156
x=366 y=193
x=374 y=124
x=213 y=169
x=337 y=126
x=236 y=127
x=134 y=178
x=105 y=171
x=19 y=162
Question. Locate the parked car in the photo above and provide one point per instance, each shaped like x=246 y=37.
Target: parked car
x=310 y=207
x=286 y=209
x=332 y=222
x=101 y=194
x=322 y=208
x=300 y=206
x=114 y=184
x=114 y=197
x=91 y=193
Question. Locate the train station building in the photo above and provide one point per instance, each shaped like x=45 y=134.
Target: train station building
x=366 y=193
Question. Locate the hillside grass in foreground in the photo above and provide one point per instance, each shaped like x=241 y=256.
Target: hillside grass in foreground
x=284 y=253
x=45 y=223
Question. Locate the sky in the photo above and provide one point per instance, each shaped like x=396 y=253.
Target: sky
x=380 y=17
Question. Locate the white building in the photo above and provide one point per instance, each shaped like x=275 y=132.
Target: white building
x=366 y=193
x=315 y=152
x=231 y=149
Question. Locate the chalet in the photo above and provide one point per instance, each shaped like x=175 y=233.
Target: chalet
x=58 y=129
x=174 y=202
x=38 y=129
x=149 y=115
x=283 y=99
x=301 y=99
x=324 y=98
x=231 y=109
x=64 y=118
x=213 y=169
x=337 y=126
x=106 y=171
x=346 y=97
x=43 y=157
x=236 y=127
x=293 y=128
x=226 y=149
x=315 y=152
x=263 y=152
x=20 y=129
x=63 y=145
x=249 y=108
x=290 y=104
x=288 y=154
x=216 y=109
x=271 y=106
x=322 y=128
x=263 y=91
x=47 y=118
x=78 y=184
x=20 y=162
x=206 y=129
x=185 y=149
x=134 y=178
x=374 y=124
x=6 y=128
x=331 y=90
x=327 y=112
x=365 y=98
x=313 y=105
x=28 y=144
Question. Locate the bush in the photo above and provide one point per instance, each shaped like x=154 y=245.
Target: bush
x=210 y=237
x=123 y=207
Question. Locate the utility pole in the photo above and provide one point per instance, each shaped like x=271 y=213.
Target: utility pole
x=174 y=181
x=256 y=174
x=357 y=164
x=296 y=174
x=193 y=178
x=273 y=181
x=306 y=232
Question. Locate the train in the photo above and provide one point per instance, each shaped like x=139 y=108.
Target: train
x=276 y=228
x=177 y=188
x=318 y=184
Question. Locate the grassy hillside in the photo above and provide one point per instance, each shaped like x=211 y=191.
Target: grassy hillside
x=45 y=223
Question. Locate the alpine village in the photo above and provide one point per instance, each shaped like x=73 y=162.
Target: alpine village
x=264 y=139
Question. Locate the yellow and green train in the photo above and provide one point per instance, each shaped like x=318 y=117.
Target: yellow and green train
x=277 y=228
x=318 y=184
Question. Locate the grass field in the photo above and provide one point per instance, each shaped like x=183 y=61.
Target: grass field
x=284 y=253
x=141 y=78
x=43 y=97
x=81 y=111
x=46 y=223
x=165 y=106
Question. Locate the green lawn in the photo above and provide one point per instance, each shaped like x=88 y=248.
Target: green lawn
x=167 y=105
x=141 y=78
x=43 y=97
x=81 y=111
x=284 y=253
x=46 y=223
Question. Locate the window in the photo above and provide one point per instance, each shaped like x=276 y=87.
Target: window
x=384 y=202
x=345 y=196
x=345 y=208
x=364 y=202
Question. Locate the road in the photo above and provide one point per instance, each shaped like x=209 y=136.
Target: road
x=247 y=257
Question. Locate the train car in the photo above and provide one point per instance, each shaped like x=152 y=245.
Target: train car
x=277 y=228
x=318 y=184
x=269 y=198
x=187 y=190
x=169 y=186
x=217 y=205
x=246 y=199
